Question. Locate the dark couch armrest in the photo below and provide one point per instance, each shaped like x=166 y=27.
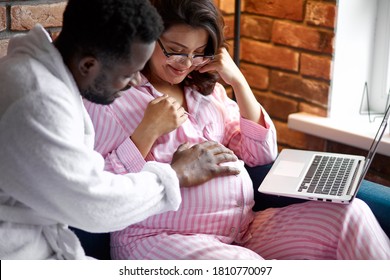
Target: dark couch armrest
x=378 y=198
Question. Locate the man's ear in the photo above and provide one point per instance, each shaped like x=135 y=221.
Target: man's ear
x=88 y=66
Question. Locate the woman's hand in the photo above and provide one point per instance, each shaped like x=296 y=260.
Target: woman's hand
x=227 y=69
x=161 y=116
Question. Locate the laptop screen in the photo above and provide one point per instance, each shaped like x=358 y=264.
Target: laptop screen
x=375 y=143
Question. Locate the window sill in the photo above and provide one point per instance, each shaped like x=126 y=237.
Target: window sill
x=358 y=133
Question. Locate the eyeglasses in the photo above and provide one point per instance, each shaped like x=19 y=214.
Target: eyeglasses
x=196 y=59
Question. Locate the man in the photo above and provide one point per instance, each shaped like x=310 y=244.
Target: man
x=50 y=177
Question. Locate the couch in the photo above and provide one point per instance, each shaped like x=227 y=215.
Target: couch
x=375 y=195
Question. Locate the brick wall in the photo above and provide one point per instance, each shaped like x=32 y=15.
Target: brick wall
x=20 y=16
x=286 y=55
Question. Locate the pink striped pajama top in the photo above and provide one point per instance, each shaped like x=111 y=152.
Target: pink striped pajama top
x=219 y=207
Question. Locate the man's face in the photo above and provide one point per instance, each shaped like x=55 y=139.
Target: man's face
x=107 y=84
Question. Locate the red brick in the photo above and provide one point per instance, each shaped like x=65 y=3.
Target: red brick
x=24 y=17
x=3 y=47
x=379 y=178
x=295 y=139
x=3 y=18
x=303 y=37
x=230 y=46
x=257 y=76
x=256 y=27
x=294 y=86
x=269 y=55
x=227 y=6
x=278 y=107
x=229 y=27
x=312 y=109
x=285 y=9
x=316 y=66
x=321 y=14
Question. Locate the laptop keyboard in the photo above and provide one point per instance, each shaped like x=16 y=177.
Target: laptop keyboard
x=327 y=175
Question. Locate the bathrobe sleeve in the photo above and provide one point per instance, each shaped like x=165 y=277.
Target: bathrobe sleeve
x=51 y=168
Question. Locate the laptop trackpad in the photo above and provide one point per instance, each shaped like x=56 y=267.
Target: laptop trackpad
x=289 y=168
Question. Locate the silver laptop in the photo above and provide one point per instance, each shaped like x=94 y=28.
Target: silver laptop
x=330 y=177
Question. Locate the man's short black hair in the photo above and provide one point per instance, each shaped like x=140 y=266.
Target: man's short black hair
x=107 y=28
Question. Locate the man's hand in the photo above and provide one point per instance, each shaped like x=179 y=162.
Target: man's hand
x=200 y=163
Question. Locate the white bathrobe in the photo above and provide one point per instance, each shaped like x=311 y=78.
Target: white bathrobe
x=50 y=177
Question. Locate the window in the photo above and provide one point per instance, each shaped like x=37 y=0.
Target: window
x=361 y=69
x=380 y=67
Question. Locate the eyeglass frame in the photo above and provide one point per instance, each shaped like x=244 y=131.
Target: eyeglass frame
x=170 y=54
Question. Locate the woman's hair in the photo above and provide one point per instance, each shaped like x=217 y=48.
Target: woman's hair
x=198 y=14
x=106 y=29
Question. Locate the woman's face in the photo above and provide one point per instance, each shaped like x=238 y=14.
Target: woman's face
x=182 y=39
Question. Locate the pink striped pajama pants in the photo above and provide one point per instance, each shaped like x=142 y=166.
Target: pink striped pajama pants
x=311 y=230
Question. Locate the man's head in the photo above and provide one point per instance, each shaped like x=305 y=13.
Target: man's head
x=105 y=43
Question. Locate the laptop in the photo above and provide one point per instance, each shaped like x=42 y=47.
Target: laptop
x=322 y=176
